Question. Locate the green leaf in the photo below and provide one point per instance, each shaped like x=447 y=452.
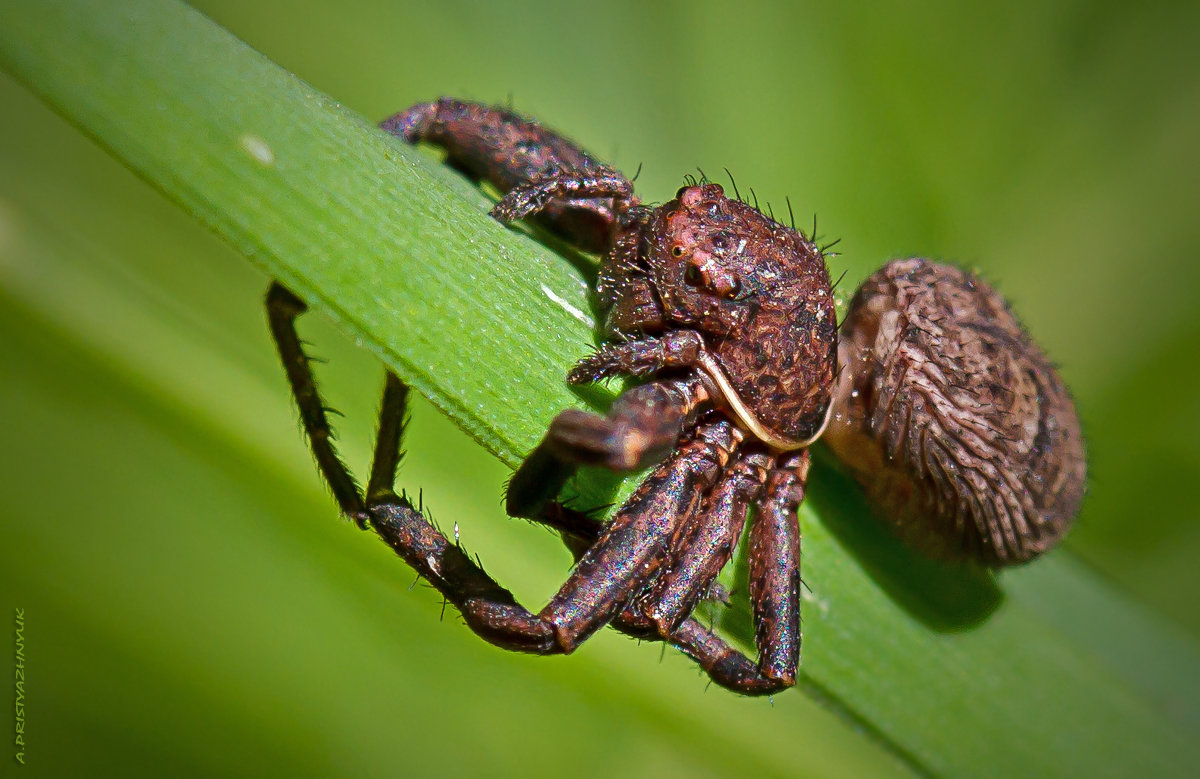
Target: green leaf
x=1038 y=671
x=321 y=200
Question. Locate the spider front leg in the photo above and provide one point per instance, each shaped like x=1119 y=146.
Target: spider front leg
x=707 y=545
x=642 y=425
x=725 y=665
x=640 y=428
x=774 y=558
x=698 y=551
x=704 y=544
x=637 y=542
x=568 y=187
x=538 y=172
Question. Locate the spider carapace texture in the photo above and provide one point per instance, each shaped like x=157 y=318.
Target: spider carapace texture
x=933 y=396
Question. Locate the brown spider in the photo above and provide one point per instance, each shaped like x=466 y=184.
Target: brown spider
x=729 y=315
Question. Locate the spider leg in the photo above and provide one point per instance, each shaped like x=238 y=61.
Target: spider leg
x=623 y=287
x=405 y=527
x=413 y=124
x=774 y=558
x=635 y=544
x=489 y=609
x=492 y=143
x=643 y=357
x=625 y=555
x=534 y=196
x=707 y=545
x=282 y=309
x=384 y=462
x=640 y=427
x=725 y=665
x=538 y=171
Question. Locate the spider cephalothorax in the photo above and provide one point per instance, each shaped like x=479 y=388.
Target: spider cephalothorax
x=755 y=294
x=728 y=317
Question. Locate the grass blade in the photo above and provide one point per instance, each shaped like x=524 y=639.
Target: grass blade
x=959 y=673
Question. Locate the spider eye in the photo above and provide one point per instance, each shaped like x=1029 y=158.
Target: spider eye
x=693 y=276
x=677 y=251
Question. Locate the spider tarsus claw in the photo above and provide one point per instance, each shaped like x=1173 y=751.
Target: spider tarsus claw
x=582 y=374
x=502 y=212
x=360 y=518
x=411 y=125
x=283 y=298
x=517 y=205
x=593 y=368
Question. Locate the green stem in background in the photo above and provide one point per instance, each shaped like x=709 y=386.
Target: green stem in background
x=974 y=679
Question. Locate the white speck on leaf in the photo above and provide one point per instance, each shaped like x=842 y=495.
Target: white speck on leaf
x=565 y=306
x=258 y=150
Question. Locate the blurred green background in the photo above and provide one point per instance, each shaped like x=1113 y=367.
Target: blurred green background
x=193 y=604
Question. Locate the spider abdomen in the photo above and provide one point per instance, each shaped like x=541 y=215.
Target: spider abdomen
x=953 y=420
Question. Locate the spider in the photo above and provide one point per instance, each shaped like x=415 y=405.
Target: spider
x=727 y=319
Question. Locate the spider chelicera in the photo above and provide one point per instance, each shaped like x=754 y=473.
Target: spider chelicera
x=729 y=317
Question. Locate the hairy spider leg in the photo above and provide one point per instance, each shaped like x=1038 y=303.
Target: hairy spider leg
x=701 y=545
x=705 y=544
x=708 y=544
x=387 y=453
x=635 y=544
x=571 y=187
x=282 y=309
x=654 y=521
x=774 y=557
x=725 y=665
x=538 y=170
x=641 y=357
x=640 y=427
x=488 y=609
